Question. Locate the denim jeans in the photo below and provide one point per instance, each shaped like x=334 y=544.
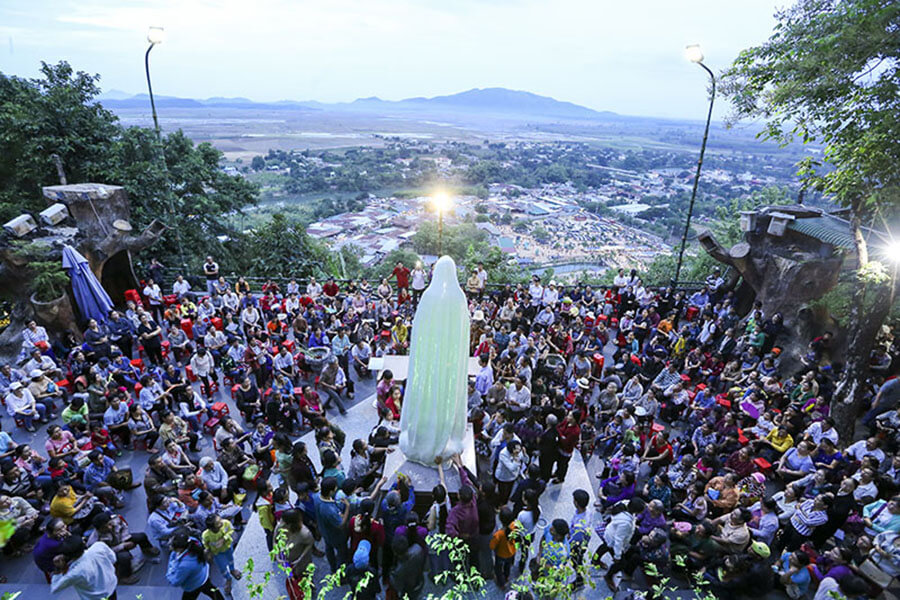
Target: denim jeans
x=225 y=562
x=41 y=411
x=502 y=567
x=336 y=555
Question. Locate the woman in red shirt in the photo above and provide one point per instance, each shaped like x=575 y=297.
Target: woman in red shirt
x=394 y=402
x=569 y=433
x=659 y=452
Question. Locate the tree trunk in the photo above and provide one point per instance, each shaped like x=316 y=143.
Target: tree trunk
x=863 y=326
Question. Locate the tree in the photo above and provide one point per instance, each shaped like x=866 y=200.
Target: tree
x=54 y=114
x=387 y=264
x=58 y=114
x=258 y=163
x=282 y=247
x=188 y=192
x=829 y=74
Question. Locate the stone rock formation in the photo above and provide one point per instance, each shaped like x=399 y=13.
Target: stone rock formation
x=790 y=256
x=102 y=233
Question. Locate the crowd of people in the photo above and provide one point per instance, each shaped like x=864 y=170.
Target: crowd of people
x=711 y=450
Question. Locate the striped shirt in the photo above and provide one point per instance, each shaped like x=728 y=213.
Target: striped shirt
x=806 y=518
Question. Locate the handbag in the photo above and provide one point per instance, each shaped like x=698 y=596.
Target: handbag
x=121 y=479
x=874 y=573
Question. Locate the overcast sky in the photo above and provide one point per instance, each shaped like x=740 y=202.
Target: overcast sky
x=621 y=55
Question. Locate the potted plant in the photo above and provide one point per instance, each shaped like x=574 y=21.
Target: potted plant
x=49 y=280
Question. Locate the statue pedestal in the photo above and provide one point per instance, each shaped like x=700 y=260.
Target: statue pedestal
x=423 y=477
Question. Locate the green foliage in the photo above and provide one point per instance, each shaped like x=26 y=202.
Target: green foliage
x=58 y=114
x=258 y=163
x=49 y=280
x=540 y=234
x=829 y=74
x=282 y=247
x=383 y=269
x=53 y=114
x=465 y=581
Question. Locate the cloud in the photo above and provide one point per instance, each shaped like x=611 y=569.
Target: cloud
x=608 y=55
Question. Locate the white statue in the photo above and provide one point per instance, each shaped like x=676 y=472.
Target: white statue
x=433 y=417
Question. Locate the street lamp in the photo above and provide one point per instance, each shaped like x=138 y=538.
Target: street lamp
x=442 y=203
x=155 y=35
x=694 y=54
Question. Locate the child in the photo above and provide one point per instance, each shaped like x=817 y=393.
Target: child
x=265 y=508
x=436 y=522
x=217 y=540
x=504 y=547
x=101 y=439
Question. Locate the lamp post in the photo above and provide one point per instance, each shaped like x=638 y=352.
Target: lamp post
x=441 y=204
x=155 y=35
x=695 y=55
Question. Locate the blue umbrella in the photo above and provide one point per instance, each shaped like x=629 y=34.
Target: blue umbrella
x=92 y=299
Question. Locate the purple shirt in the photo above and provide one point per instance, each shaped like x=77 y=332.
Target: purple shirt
x=647 y=522
x=44 y=551
x=463 y=518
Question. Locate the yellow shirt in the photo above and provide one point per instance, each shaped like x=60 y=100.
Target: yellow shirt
x=780 y=443
x=217 y=542
x=64 y=507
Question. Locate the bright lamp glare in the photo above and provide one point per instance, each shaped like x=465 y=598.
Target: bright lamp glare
x=441 y=201
x=156 y=35
x=892 y=251
x=693 y=53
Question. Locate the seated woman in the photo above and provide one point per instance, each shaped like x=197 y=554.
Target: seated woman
x=615 y=489
x=74 y=509
x=394 y=402
x=175 y=458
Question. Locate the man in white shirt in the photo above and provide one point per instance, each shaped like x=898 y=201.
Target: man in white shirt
x=215 y=341
x=284 y=363
x=536 y=291
x=154 y=299
x=551 y=295
x=864 y=448
x=42 y=362
x=313 y=289
x=620 y=279
x=180 y=287
x=518 y=396
x=203 y=367
x=418 y=282
x=361 y=353
x=91 y=573
x=231 y=301
x=20 y=404
x=482 y=278
x=821 y=430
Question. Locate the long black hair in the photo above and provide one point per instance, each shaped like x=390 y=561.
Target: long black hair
x=439 y=493
x=530 y=499
x=183 y=540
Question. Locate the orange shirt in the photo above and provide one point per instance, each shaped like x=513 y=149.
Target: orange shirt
x=502 y=545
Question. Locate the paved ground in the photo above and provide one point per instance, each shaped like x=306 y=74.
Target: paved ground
x=23 y=575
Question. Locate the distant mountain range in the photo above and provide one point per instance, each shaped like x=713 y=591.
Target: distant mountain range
x=495 y=101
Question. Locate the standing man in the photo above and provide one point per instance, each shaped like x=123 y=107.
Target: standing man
x=418 y=282
x=402 y=275
x=482 y=280
x=91 y=573
x=156 y=270
x=485 y=378
x=211 y=270
x=331 y=518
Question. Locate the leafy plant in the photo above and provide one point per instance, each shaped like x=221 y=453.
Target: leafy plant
x=49 y=280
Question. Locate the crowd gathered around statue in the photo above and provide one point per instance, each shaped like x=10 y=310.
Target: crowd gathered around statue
x=709 y=459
